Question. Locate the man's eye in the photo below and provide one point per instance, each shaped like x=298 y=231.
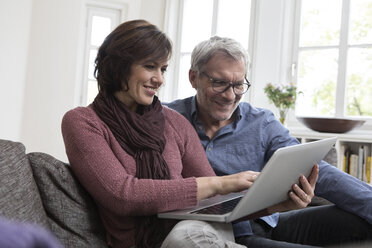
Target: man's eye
x=219 y=83
x=164 y=69
x=239 y=85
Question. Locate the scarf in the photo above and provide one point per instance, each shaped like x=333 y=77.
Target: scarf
x=140 y=134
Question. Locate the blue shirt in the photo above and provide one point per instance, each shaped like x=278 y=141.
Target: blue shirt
x=249 y=142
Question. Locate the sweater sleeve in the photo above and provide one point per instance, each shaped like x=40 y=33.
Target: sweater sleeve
x=194 y=159
x=101 y=169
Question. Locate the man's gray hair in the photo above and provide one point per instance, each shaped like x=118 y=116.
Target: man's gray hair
x=203 y=52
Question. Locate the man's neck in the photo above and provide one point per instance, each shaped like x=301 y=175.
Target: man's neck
x=212 y=126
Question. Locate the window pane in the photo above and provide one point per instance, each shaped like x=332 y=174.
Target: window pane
x=320 y=22
x=317 y=80
x=360 y=22
x=101 y=27
x=197 y=23
x=92 y=91
x=92 y=58
x=231 y=12
x=184 y=86
x=359 y=82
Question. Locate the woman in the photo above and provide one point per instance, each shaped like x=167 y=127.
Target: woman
x=135 y=157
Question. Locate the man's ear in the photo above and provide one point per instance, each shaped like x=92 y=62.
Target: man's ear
x=193 y=78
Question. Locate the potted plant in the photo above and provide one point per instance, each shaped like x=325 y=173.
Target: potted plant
x=283 y=97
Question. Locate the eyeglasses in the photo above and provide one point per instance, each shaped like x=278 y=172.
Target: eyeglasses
x=221 y=86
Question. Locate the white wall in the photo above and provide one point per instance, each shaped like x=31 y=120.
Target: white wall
x=40 y=47
x=272 y=49
x=15 y=19
x=153 y=11
x=50 y=75
x=267 y=57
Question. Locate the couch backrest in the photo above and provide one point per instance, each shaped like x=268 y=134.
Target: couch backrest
x=72 y=213
x=19 y=195
x=38 y=188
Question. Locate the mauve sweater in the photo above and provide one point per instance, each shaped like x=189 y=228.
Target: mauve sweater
x=108 y=172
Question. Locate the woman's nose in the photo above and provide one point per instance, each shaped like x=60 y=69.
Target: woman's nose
x=158 y=77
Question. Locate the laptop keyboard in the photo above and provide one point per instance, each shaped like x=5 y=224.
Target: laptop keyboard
x=219 y=209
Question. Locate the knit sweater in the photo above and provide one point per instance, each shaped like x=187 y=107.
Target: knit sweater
x=108 y=172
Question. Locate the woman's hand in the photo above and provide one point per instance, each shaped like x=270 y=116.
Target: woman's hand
x=210 y=186
x=300 y=197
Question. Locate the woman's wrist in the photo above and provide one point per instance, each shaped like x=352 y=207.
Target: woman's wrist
x=208 y=186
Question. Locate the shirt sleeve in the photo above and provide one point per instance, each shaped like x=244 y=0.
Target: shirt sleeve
x=275 y=136
x=110 y=182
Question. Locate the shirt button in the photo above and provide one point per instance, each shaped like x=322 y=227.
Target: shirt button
x=209 y=149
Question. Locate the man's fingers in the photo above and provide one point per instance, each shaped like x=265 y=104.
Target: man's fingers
x=314 y=175
x=303 y=195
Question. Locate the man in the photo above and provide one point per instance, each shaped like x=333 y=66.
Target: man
x=239 y=137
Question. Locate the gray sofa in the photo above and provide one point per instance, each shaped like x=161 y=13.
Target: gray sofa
x=37 y=188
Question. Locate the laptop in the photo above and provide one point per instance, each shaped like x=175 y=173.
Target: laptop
x=283 y=169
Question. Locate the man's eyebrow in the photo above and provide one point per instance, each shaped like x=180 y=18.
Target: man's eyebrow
x=226 y=80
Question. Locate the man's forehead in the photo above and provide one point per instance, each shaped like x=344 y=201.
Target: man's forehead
x=220 y=63
x=220 y=57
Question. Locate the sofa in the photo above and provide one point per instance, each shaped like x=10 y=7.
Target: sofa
x=39 y=189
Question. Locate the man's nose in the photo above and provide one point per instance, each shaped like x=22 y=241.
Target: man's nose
x=229 y=93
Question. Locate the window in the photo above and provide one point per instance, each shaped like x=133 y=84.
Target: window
x=198 y=21
x=333 y=56
x=100 y=22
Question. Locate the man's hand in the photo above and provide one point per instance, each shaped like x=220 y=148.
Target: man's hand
x=300 y=197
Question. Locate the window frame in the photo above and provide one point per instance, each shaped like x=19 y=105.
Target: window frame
x=343 y=47
x=127 y=9
x=173 y=28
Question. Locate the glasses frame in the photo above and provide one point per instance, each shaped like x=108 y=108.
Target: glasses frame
x=231 y=84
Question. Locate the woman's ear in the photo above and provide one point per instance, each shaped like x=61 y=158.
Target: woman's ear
x=193 y=78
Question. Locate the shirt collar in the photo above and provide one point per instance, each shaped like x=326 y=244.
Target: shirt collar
x=193 y=110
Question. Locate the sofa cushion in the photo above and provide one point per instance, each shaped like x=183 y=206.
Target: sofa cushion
x=72 y=213
x=19 y=195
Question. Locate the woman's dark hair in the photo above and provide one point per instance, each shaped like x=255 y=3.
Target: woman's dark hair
x=130 y=42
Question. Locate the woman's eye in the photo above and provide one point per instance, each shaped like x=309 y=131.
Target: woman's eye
x=149 y=67
x=164 y=69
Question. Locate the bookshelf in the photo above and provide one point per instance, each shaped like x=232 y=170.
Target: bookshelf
x=356 y=143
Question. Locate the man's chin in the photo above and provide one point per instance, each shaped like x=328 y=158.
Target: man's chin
x=222 y=116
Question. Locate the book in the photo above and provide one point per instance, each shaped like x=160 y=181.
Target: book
x=360 y=165
x=369 y=169
x=347 y=160
x=366 y=154
x=341 y=158
x=353 y=166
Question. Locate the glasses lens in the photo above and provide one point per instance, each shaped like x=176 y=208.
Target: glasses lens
x=240 y=88
x=219 y=86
